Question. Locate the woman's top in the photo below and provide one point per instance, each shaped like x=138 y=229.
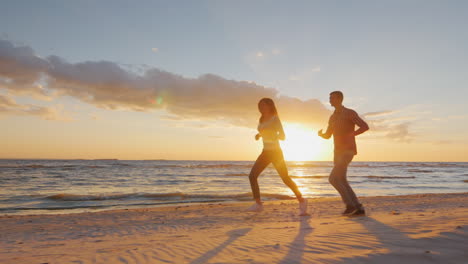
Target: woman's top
x=271 y=131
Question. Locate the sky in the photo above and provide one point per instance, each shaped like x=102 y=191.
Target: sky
x=181 y=79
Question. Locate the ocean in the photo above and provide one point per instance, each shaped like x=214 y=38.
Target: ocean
x=67 y=186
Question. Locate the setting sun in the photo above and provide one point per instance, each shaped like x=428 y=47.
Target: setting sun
x=302 y=143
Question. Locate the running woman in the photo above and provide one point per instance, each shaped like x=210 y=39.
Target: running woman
x=271 y=131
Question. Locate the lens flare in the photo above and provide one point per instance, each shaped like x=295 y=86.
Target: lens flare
x=158 y=100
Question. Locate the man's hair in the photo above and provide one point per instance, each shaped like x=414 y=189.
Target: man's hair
x=339 y=94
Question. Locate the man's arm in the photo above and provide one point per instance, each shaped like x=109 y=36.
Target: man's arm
x=329 y=131
x=363 y=126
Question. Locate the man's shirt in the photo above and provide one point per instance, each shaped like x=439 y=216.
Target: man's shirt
x=342 y=124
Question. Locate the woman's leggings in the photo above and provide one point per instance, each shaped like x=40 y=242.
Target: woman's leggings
x=265 y=158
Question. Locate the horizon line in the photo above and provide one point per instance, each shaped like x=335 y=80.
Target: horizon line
x=109 y=159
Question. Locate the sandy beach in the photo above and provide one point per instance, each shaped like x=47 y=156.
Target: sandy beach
x=428 y=228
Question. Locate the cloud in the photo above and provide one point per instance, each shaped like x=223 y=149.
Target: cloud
x=379 y=113
x=21 y=70
x=50 y=113
x=7 y=102
x=154 y=50
x=399 y=132
x=8 y=106
x=393 y=124
x=108 y=85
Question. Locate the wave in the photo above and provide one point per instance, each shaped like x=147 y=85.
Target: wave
x=309 y=176
x=389 y=177
x=100 y=197
x=41 y=166
x=410 y=164
x=305 y=165
x=15 y=166
x=420 y=170
x=292 y=176
x=57 y=208
x=369 y=176
x=293 y=164
x=183 y=198
x=160 y=196
x=236 y=174
x=421 y=167
x=227 y=165
x=80 y=197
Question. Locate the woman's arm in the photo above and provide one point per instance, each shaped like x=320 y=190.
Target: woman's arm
x=281 y=135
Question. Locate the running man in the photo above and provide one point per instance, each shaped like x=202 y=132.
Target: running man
x=342 y=126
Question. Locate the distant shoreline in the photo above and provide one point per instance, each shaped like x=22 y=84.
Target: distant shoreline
x=114 y=159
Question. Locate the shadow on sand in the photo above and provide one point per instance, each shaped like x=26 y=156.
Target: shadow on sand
x=297 y=246
x=445 y=248
x=233 y=235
